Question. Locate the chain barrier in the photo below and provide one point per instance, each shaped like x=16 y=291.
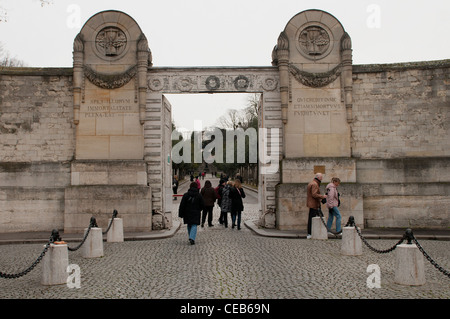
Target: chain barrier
x=409 y=236
x=434 y=263
x=92 y=223
x=53 y=238
x=114 y=215
x=351 y=223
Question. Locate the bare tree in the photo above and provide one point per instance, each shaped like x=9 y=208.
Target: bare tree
x=6 y=60
x=232 y=119
x=241 y=118
x=4 y=12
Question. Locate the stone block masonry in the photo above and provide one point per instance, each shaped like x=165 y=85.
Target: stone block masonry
x=97 y=137
x=401 y=110
x=36 y=114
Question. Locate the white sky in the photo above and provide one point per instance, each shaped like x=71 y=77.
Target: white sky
x=227 y=33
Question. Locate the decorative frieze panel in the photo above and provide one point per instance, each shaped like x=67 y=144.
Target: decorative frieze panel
x=205 y=81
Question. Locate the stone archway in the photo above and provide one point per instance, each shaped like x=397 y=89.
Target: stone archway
x=162 y=81
x=124 y=119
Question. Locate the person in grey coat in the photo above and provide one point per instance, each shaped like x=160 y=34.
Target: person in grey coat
x=227 y=202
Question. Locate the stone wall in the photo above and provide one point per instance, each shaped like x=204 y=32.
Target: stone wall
x=405 y=192
x=37 y=143
x=398 y=175
x=36 y=115
x=400 y=138
x=401 y=110
x=32 y=195
x=400 y=149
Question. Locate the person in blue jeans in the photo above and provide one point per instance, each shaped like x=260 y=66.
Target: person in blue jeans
x=333 y=203
x=190 y=210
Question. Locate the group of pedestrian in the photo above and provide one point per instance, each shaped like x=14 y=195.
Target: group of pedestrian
x=229 y=195
x=314 y=199
x=197 y=205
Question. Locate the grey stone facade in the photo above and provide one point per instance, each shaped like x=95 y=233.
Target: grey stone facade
x=393 y=153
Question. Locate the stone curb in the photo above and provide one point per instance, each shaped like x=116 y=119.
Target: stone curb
x=30 y=238
x=302 y=234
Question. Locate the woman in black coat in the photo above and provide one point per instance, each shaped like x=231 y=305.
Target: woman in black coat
x=190 y=210
x=237 y=194
x=209 y=198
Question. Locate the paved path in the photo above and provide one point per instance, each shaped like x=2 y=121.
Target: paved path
x=225 y=263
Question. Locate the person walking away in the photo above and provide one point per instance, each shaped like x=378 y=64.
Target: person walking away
x=209 y=198
x=333 y=203
x=190 y=210
x=219 y=190
x=313 y=199
x=227 y=203
x=237 y=194
x=197 y=181
x=175 y=186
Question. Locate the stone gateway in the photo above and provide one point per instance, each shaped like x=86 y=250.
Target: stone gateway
x=82 y=141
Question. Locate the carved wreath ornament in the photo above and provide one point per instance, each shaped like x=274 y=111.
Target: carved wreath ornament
x=315 y=79
x=109 y=81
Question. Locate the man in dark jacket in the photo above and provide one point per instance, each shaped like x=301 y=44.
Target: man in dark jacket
x=209 y=198
x=190 y=210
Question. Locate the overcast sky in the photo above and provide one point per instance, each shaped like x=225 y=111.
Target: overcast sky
x=227 y=33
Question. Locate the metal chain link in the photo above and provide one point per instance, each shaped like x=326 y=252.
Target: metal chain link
x=34 y=264
x=84 y=239
x=114 y=215
x=377 y=250
x=441 y=269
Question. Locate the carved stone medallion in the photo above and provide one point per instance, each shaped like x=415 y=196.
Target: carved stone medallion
x=111 y=41
x=241 y=83
x=269 y=84
x=185 y=84
x=156 y=84
x=314 y=42
x=212 y=83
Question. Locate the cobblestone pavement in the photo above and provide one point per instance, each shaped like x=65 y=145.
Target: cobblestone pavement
x=225 y=263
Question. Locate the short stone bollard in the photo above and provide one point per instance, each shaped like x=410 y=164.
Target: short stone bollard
x=54 y=265
x=93 y=246
x=318 y=230
x=115 y=233
x=409 y=266
x=351 y=242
